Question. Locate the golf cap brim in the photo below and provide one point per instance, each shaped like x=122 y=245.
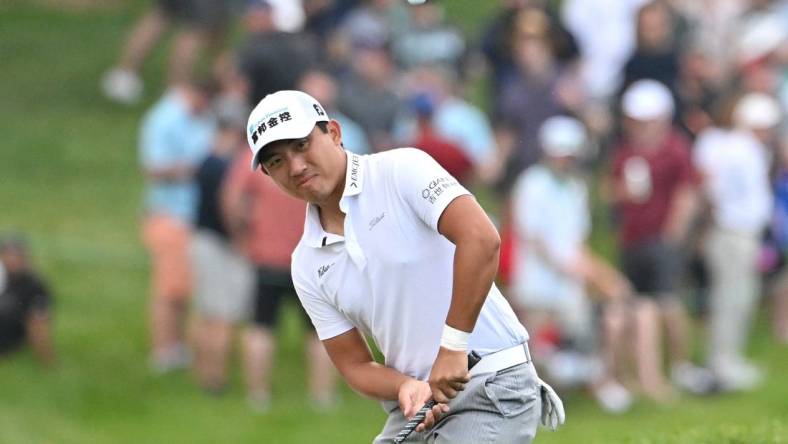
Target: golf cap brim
x=282 y=115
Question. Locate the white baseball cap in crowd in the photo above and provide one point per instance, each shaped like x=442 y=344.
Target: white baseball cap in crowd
x=756 y=111
x=647 y=100
x=280 y=116
x=562 y=136
x=760 y=35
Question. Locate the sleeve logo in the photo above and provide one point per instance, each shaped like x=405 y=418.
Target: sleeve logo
x=436 y=187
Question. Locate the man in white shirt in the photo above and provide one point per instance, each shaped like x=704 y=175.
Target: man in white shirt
x=396 y=249
x=735 y=165
x=555 y=265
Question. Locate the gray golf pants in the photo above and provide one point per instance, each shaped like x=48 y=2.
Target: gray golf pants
x=502 y=408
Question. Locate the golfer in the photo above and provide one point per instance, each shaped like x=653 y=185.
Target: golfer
x=396 y=250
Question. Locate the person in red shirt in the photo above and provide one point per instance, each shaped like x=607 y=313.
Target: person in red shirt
x=654 y=190
x=266 y=224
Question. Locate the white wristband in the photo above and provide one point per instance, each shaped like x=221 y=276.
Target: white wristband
x=453 y=339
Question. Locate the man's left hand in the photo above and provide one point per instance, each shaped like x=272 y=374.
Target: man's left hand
x=449 y=374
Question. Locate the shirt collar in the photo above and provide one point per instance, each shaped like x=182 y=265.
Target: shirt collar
x=314 y=234
x=354 y=176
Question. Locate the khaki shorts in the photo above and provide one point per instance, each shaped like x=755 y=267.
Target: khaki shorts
x=167 y=240
x=223 y=279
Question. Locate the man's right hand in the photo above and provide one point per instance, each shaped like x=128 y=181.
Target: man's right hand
x=413 y=394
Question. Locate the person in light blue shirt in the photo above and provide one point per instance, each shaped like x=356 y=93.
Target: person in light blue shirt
x=176 y=135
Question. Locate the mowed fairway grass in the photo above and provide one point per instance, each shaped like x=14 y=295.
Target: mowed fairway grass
x=69 y=178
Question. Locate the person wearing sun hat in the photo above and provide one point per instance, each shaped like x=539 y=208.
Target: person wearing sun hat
x=654 y=187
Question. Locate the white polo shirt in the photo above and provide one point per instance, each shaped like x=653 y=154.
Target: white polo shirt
x=390 y=276
x=735 y=166
x=553 y=210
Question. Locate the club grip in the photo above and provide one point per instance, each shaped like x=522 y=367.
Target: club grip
x=473 y=359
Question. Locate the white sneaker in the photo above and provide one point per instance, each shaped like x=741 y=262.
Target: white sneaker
x=122 y=86
x=613 y=397
x=692 y=379
x=738 y=375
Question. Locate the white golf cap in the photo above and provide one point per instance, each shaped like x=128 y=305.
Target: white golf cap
x=647 y=100
x=562 y=136
x=757 y=111
x=760 y=35
x=280 y=116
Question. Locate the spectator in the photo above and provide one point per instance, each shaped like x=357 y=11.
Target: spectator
x=202 y=23
x=712 y=25
x=702 y=80
x=497 y=40
x=176 y=136
x=367 y=93
x=655 y=191
x=605 y=32
x=656 y=53
x=223 y=278
x=272 y=60
x=25 y=303
x=428 y=40
x=779 y=230
x=266 y=224
x=735 y=165
x=538 y=88
x=372 y=23
x=552 y=223
x=324 y=16
x=322 y=86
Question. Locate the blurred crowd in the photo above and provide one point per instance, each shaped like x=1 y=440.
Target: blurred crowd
x=664 y=117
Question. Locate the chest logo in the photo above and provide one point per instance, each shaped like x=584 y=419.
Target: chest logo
x=323 y=269
x=375 y=220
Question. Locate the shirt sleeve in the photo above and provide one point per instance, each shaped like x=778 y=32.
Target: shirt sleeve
x=425 y=186
x=327 y=320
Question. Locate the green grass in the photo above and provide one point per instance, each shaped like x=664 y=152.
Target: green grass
x=69 y=178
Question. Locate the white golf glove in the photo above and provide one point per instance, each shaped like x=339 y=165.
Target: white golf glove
x=552 y=408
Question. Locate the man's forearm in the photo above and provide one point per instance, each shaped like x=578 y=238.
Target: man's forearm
x=374 y=380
